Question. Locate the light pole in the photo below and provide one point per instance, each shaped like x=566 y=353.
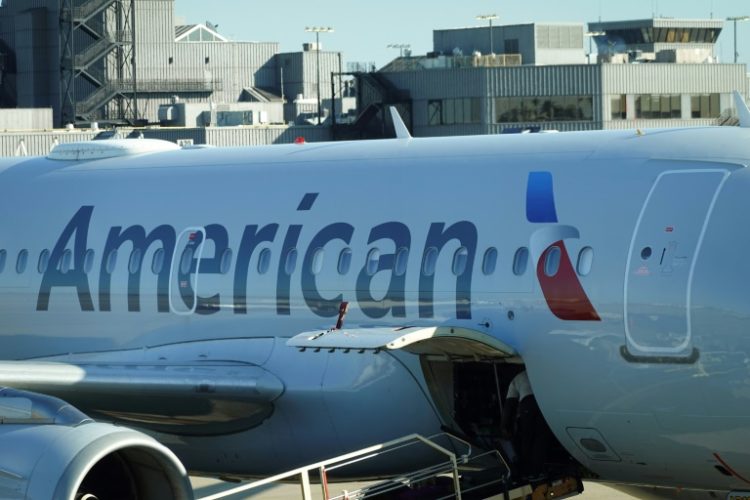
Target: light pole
x=735 y=19
x=591 y=35
x=490 y=18
x=318 y=30
x=402 y=47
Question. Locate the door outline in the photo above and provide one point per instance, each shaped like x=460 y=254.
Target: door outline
x=668 y=354
x=177 y=261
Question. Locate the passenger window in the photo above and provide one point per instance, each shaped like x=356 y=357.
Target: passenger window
x=134 y=265
x=402 y=259
x=226 y=261
x=317 y=261
x=520 y=261
x=460 y=258
x=186 y=262
x=3 y=258
x=88 y=261
x=111 y=262
x=430 y=261
x=43 y=261
x=373 y=261
x=23 y=258
x=66 y=261
x=157 y=262
x=291 y=261
x=585 y=261
x=490 y=261
x=552 y=261
x=345 y=261
x=264 y=261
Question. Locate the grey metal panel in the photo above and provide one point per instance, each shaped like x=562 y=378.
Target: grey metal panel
x=651 y=124
x=658 y=78
x=253 y=136
x=567 y=80
x=38 y=143
x=26 y=119
x=441 y=83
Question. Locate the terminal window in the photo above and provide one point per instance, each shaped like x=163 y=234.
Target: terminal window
x=651 y=106
x=544 y=109
x=705 y=106
x=619 y=107
x=453 y=111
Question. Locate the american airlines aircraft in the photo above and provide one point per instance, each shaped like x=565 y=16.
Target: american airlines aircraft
x=239 y=312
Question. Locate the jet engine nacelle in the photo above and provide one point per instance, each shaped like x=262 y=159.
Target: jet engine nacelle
x=50 y=450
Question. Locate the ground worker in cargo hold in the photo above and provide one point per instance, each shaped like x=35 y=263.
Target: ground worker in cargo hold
x=522 y=422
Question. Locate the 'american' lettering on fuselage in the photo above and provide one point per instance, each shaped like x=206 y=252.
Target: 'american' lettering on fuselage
x=75 y=236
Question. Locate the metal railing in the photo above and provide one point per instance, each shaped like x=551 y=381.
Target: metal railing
x=448 y=467
x=90 y=8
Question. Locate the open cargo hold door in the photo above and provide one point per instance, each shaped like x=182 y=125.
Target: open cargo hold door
x=467 y=372
x=448 y=342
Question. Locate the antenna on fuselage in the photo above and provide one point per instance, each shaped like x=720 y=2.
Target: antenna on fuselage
x=401 y=131
x=743 y=113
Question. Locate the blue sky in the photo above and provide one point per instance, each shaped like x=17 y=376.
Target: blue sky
x=363 y=29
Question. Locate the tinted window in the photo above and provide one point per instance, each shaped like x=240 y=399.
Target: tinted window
x=585 y=261
x=23 y=258
x=157 y=263
x=186 y=262
x=88 y=261
x=520 y=261
x=66 y=261
x=460 y=258
x=264 y=261
x=429 y=261
x=43 y=261
x=373 y=261
x=111 y=262
x=291 y=261
x=490 y=261
x=552 y=261
x=226 y=261
x=317 y=261
x=402 y=259
x=134 y=265
x=345 y=260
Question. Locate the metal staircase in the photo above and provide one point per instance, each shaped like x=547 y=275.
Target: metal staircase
x=458 y=472
x=375 y=94
x=98 y=53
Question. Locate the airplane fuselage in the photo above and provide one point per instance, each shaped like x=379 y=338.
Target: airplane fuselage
x=613 y=264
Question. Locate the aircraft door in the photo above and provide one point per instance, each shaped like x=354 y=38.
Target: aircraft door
x=663 y=252
x=183 y=275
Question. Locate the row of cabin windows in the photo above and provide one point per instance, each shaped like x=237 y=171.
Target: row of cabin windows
x=372 y=262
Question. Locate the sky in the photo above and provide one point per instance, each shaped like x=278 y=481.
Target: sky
x=364 y=28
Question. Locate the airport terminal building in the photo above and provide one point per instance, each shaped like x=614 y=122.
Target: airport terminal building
x=121 y=60
x=130 y=61
x=648 y=73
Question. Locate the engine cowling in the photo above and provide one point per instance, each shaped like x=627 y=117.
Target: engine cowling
x=50 y=450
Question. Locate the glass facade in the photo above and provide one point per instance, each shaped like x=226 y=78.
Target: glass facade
x=654 y=106
x=453 y=111
x=544 y=109
x=619 y=107
x=705 y=106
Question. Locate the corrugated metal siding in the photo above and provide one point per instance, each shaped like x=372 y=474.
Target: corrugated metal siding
x=655 y=78
x=154 y=20
x=26 y=119
x=40 y=143
x=568 y=80
x=646 y=124
x=441 y=83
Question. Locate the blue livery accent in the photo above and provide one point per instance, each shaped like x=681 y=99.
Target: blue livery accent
x=540 y=199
